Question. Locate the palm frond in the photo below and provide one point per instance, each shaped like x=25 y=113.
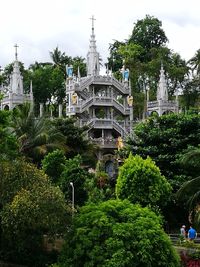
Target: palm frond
x=189 y=187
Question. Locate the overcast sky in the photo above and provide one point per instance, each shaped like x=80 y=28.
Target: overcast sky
x=38 y=26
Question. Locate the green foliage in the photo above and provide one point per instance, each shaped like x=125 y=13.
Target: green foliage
x=98 y=187
x=8 y=142
x=148 y=33
x=191 y=94
x=53 y=164
x=18 y=174
x=140 y=181
x=76 y=141
x=31 y=207
x=44 y=79
x=165 y=139
x=76 y=174
x=117 y=233
x=36 y=137
x=143 y=53
x=195 y=62
x=115 y=61
x=190 y=190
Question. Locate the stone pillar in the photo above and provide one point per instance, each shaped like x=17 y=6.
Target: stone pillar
x=41 y=109
x=131 y=119
x=10 y=101
x=60 y=110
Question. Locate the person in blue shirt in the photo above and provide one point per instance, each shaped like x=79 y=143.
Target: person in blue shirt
x=192 y=233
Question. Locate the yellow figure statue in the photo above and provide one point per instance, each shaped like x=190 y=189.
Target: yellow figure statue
x=74 y=98
x=130 y=100
x=120 y=143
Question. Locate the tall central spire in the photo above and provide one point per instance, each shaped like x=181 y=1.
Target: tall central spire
x=92 y=55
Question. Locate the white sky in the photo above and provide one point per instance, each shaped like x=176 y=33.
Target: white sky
x=38 y=26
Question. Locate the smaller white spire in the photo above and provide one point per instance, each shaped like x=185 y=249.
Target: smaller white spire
x=162 y=92
x=16 y=81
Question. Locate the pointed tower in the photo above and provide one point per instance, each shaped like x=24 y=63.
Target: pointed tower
x=14 y=92
x=162 y=105
x=16 y=79
x=93 y=66
x=104 y=105
x=162 y=93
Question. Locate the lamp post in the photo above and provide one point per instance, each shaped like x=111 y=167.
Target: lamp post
x=72 y=185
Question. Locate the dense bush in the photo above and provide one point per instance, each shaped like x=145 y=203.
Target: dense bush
x=140 y=181
x=53 y=164
x=30 y=208
x=119 y=234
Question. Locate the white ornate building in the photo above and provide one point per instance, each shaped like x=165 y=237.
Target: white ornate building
x=102 y=103
x=162 y=105
x=13 y=94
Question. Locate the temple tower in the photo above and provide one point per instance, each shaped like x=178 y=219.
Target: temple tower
x=102 y=103
x=162 y=105
x=14 y=95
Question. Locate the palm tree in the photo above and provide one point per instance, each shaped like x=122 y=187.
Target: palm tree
x=195 y=62
x=60 y=60
x=36 y=136
x=190 y=190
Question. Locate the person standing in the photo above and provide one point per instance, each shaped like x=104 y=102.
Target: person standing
x=192 y=233
x=183 y=231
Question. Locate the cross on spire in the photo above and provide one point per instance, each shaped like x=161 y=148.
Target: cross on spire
x=16 y=46
x=93 y=19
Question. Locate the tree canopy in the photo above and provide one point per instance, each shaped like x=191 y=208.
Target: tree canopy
x=30 y=208
x=36 y=137
x=8 y=142
x=117 y=233
x=148 y=33
x=140 y=181
x=165 y=139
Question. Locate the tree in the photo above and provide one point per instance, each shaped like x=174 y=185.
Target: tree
x=192 y=158
x=115 y=61
x=143 y=53
x=61 y=60
x=36 y=136
x=191 y=94
x=99 y=187
x=48 y=81
x=76 y=141
x=165 y=139
x=8 y=142
x=194 y=62
x=148 y=33
x=140 y=181
x=117 y=233
x=31 y=207
x=18 y=174
x=79 y=63
x=189 y=193
x=53 y=164
x=76 y=174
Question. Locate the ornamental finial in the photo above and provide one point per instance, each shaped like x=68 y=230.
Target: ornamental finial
x=16 y=46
